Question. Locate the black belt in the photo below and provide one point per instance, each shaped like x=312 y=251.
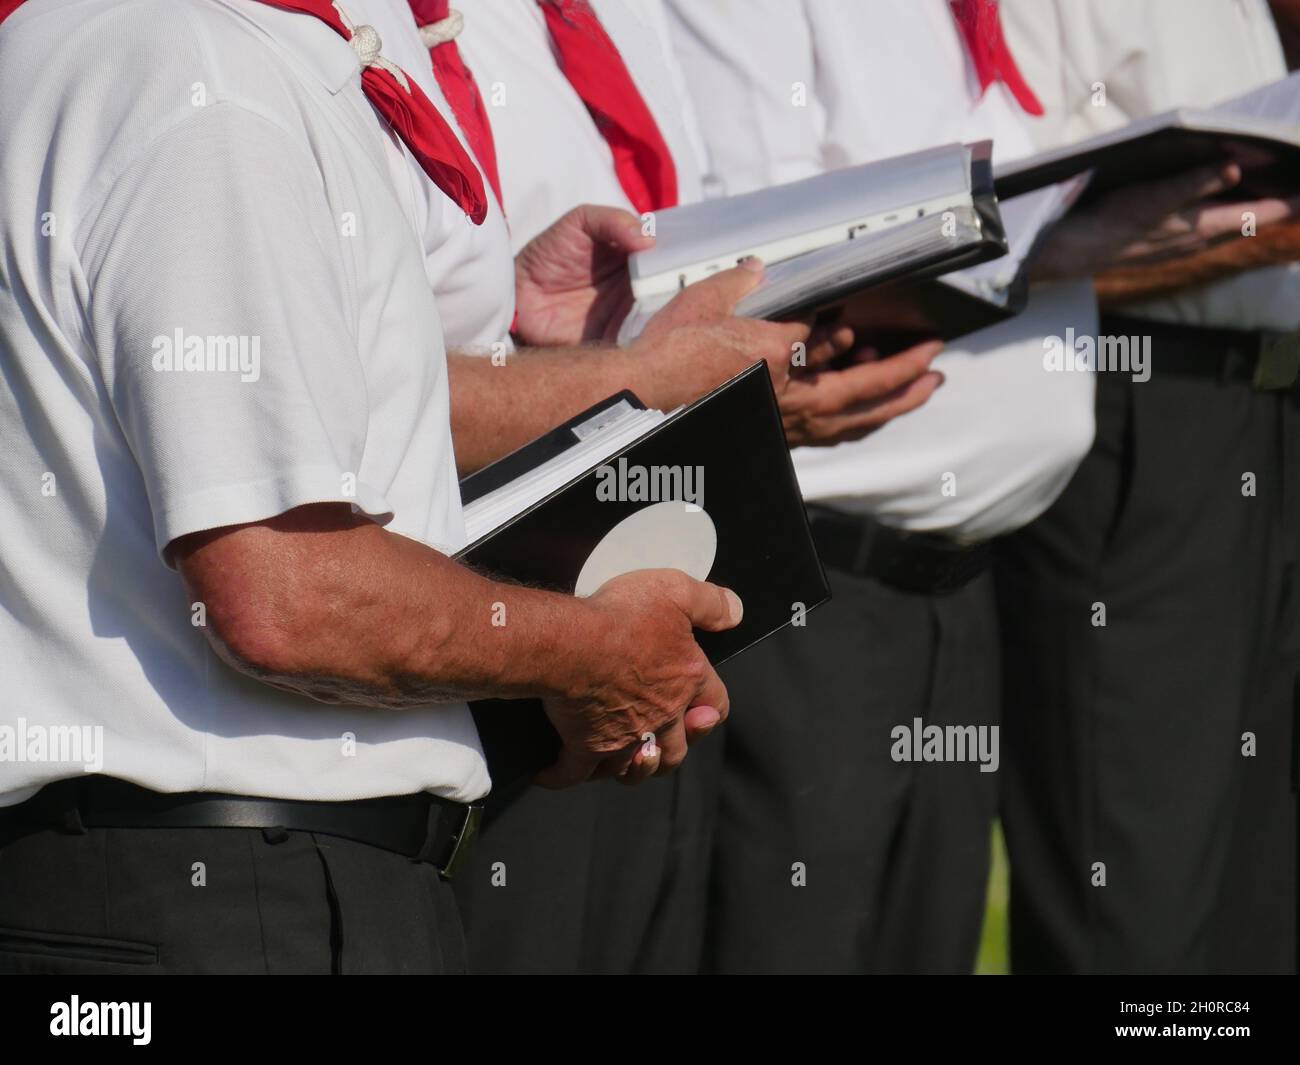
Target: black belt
x=1266 y=360
x=422 y=827
x=910 y=562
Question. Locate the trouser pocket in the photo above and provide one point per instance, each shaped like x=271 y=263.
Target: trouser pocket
x=30 y=950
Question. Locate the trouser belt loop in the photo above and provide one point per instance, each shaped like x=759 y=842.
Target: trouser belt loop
x=862 y=561
x=1239 y=361
x=60 y=806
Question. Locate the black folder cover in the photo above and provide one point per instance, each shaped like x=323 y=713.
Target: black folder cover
x=932 y=308
x=765 y=549
x=1155 y=153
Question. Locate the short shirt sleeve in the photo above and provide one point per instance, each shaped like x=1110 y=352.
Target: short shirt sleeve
x=223 y=322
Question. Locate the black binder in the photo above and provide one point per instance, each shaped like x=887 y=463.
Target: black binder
x=1260 y=123
x=765 y=551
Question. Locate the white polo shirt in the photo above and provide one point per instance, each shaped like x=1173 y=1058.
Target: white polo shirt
x=550 y=154
x=191 y=170
x=1150 y=57
x=788 y=88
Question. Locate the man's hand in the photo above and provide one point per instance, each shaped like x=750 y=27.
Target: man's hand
x=694 y=344
x=324 y=603
x=571 y=281
x=1154 y=222
x=697 y=342
x=821 y=409
x=712 y=302
x=629 y=718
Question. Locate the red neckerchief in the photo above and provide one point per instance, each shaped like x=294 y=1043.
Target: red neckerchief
x=401 y=102
x=981 y=30
x=592 y=65
x=458 y=86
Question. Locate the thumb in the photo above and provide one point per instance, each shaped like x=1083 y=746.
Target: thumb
x=613 y=226
x=710 y=606
x=723 y=290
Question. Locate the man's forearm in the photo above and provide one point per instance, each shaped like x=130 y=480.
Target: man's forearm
x=497 y=406
x=367 y=616
x=1278 y=243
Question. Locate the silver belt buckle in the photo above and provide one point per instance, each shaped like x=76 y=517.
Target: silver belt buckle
x=458 y=850
x=1278 y=364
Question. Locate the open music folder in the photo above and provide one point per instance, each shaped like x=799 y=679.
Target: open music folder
x=826 y=238
x=708 y=489
x=1263 y=123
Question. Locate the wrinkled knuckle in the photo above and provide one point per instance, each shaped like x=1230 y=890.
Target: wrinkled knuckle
x=695 y=670
x=675 y=584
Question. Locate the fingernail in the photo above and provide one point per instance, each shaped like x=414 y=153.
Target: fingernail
x=734 y=605
x=752 y=262
x=708 y=719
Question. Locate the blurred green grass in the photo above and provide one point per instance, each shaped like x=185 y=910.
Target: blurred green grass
x=992 y=959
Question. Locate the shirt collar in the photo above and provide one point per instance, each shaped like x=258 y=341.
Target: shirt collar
x=307 y=41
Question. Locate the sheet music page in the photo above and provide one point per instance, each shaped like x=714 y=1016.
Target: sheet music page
x=500 y=505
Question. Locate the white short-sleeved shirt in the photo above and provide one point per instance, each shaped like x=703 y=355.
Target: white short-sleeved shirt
x=187 y=171
x=1150 y=57
x=550 y=154
x=785 y=89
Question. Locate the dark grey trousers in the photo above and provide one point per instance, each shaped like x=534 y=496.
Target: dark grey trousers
x=602 y=878
x=829 y=855
x=1124 y=748
x=120 y=901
